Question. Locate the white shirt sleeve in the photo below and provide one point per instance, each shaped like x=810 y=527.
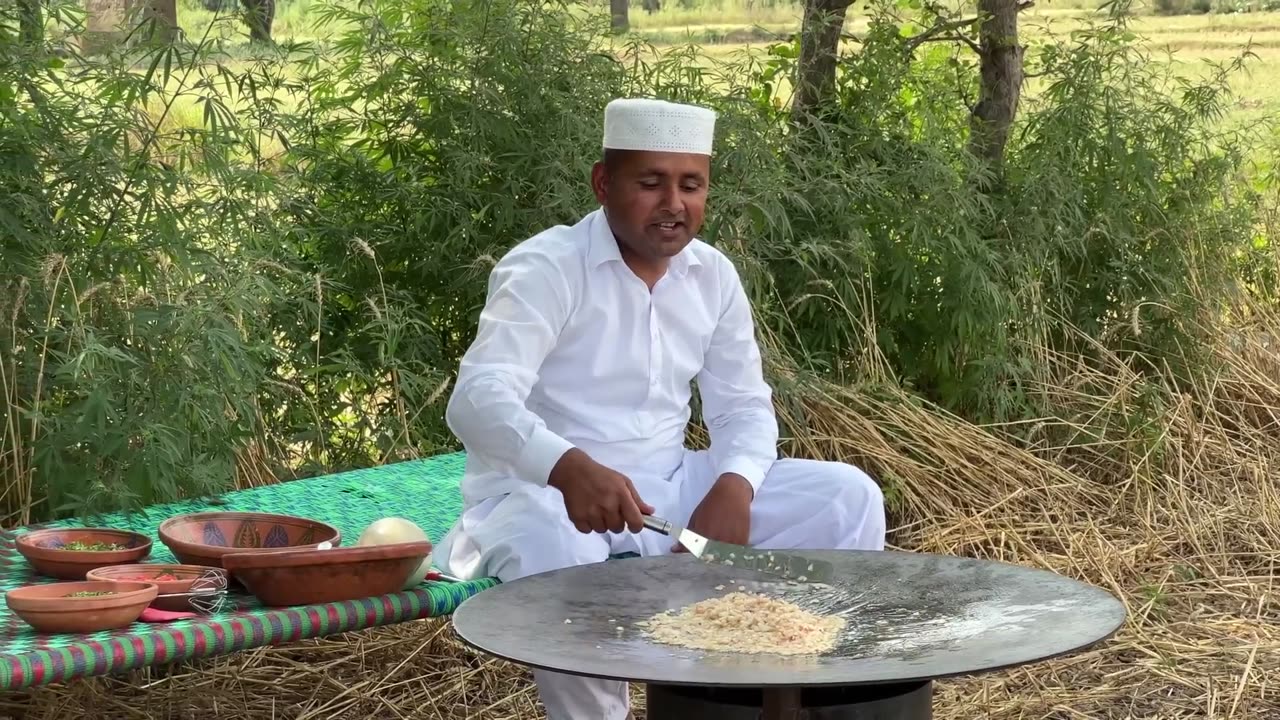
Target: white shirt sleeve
x=527 y=304
x=737 y=403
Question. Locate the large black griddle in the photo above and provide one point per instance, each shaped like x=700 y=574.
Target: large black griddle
x=912 y=618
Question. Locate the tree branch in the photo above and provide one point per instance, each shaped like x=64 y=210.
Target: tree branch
x=949 y=38
x=947 y=31
x=932 y=33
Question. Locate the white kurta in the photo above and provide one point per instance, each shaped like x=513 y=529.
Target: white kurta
x=573 y=350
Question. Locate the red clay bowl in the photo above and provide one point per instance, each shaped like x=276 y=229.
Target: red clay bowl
x=307 y=577
x=176 y=578
x=52 y=608
x=47 y=552
x=206 y=538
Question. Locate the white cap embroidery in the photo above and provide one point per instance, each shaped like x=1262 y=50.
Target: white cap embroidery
x=658 y=126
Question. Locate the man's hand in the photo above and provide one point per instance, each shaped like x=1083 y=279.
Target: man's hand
x=725 y=513
x=597 y=499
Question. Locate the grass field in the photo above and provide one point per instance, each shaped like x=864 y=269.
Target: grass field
x=1192 y=44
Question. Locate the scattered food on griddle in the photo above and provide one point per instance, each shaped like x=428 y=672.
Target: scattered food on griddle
x=746 y=623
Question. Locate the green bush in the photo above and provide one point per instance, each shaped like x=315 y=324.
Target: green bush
x=221 y=269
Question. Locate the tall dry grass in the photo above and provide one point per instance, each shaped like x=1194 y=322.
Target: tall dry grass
x=1165 y=496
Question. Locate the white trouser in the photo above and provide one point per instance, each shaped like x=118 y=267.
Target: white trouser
x=803 y=504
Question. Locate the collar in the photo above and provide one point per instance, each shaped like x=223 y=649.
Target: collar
x=603 y=247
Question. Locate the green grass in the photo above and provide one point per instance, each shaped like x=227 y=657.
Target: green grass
x=1192 y=43
x=727 y=28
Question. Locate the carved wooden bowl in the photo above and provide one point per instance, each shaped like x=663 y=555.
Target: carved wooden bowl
x=207 y=538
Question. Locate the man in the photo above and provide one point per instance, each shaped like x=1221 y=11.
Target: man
x=572 y=402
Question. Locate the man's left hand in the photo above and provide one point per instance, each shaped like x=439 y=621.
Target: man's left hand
x=725 y=513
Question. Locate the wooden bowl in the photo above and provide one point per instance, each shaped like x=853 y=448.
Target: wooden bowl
x=307 y=577
x=206 y=538
x=49 y=555
x=183 y=576
x=53 y=608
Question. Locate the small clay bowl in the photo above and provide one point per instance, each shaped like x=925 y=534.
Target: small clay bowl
x=47 y=552
x=307 y=577
x=212 y=578
x=54 y=608
x=206 y=538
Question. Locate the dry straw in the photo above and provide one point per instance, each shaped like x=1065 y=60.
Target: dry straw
x=1165 y=496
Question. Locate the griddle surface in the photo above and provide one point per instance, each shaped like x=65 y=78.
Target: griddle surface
x=910 y=617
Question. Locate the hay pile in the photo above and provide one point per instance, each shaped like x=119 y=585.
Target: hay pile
x=1167 y=497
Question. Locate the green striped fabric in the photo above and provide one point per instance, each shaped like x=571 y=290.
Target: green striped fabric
x=424 y=491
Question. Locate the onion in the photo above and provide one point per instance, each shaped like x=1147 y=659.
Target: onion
x=390 y=530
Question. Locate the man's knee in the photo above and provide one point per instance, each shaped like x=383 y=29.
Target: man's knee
x=533 y=550
x=855 y=490
x=856 y=509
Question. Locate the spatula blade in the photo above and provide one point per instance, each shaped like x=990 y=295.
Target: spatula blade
x=788 y=565
x=785 y=565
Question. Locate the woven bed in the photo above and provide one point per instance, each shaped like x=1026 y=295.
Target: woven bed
x=424 y=491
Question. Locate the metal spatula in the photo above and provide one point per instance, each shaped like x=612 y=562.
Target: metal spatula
x=791 y=567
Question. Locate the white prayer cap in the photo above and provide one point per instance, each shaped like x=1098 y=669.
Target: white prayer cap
x=658 y=126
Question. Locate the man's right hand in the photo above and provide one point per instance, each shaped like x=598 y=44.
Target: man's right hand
x=597 y=499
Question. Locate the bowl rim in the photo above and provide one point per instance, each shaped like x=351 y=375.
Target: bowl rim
x=199 y=549
x=165 y=529
x=307 y=556
x=195 y=570
x=238 y=515
x=155 y=566
x=29 y=538
x=19 y=599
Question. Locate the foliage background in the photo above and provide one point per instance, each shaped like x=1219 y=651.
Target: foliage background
x=284 y=286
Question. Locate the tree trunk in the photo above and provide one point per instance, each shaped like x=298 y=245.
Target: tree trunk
x=259 y=16
x=621 y=19
x=30 y=22
x=105 y=25
x=1001 y=81
x=164 y=15
x=820 y=32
